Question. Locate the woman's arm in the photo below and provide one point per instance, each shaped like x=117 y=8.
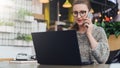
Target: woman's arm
x=100 y=48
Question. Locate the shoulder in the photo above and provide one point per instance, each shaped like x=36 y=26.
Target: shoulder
x=98 y=31
x=97 y=28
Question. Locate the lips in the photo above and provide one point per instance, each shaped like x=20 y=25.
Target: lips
x=79 y=21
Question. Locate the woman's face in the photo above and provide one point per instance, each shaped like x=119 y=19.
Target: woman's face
x=80 y=13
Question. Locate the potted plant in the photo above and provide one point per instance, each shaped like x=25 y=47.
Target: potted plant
x=6 y=26
x=27 y=37
x=9 y=23
x=23 y=39
x=22 y=13
x=112 y=30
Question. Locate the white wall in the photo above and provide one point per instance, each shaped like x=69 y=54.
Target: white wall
x=11 y=51
x=37 y=7
x=118 y=16
x=118 y=4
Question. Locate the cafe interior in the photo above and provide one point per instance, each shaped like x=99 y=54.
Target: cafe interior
x=19 y=18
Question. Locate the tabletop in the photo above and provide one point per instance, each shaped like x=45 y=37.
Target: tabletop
x=36 y=65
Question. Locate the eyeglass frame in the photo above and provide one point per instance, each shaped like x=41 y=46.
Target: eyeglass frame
x=80 y=13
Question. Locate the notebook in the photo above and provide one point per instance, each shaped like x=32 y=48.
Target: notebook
x=57 y=47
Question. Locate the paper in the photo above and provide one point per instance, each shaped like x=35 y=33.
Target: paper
x=115 y=65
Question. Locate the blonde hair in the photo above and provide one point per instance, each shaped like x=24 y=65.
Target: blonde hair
x=87 y=2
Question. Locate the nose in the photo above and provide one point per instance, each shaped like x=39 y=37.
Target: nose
x=78 y=15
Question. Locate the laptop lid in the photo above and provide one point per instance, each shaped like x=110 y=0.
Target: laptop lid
x=57 y=47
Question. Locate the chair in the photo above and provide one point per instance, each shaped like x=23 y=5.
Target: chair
x=114 y=57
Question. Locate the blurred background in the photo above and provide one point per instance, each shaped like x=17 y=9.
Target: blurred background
x=19 y=18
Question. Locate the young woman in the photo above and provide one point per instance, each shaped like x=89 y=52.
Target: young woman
x=92 y=39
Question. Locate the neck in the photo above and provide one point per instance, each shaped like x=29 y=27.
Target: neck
x=82 y=29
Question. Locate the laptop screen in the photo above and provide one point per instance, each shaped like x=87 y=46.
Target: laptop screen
x=57 y=47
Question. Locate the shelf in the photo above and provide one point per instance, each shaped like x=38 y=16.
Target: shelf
x=22 y=43
x=17 y=20
x=32 y=61
x=26 y=21
x=7 y=29
x=21 y=46
x=17 y=45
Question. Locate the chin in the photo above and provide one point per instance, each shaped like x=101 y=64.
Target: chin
x=80 y=24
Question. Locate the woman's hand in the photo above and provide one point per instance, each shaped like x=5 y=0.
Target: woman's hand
x=89 y=26
x=89 y=29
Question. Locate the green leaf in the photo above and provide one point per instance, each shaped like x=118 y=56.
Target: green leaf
x=117 y=34
x=103 y=24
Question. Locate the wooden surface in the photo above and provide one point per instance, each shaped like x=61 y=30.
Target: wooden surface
x=38 y=16
x=114 y=42
x=6 y=59
x=36 y=65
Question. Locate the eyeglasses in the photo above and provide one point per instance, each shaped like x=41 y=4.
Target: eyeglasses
x=81 y=13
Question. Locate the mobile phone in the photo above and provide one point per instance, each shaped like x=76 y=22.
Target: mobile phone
x=90 y=16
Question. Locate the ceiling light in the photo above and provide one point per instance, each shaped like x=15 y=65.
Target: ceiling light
x=67 y=4
x=44 y=1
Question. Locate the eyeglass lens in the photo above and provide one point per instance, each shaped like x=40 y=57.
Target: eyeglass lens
x=81 y=13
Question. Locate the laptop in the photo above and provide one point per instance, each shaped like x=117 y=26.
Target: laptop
x=57 y=47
